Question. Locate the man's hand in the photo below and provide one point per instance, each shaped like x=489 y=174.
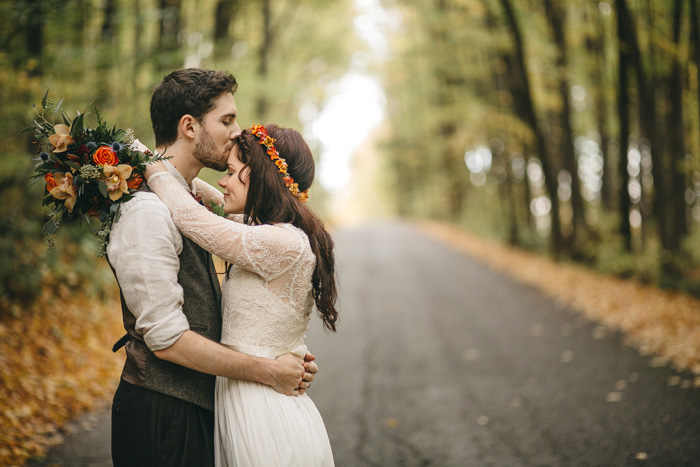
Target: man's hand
x=310 y=370
x=286 y=374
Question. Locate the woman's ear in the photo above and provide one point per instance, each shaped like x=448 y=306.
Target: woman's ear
x=187 y=126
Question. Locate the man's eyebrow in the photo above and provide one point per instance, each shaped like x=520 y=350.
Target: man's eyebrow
x=232 y=115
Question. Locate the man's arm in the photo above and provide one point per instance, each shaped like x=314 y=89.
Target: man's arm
x=191 y=350
x=143 y=249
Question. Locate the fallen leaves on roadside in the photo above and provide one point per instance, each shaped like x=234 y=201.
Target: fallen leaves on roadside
x=658 y=323
x=55 y=363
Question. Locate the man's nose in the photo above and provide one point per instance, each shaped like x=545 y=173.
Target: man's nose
x=236 y=131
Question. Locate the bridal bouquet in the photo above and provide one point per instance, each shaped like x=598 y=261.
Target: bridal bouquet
x=88 y=172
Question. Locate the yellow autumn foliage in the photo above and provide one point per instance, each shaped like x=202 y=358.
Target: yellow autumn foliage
x=55 y=363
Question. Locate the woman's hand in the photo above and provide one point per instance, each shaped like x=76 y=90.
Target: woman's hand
x=151 y=168
x=154 y=167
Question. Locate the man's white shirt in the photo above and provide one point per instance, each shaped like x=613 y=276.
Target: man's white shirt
x=144 y=245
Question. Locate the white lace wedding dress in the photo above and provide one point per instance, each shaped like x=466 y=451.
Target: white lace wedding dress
x=267 y=304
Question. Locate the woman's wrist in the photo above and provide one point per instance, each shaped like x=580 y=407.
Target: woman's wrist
x=154 y=168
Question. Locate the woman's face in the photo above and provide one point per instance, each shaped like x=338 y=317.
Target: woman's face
x=235 y=184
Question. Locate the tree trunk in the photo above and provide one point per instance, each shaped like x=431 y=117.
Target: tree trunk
x=223 y=39
x=264 y=54
x=169 y=25
x=676 y=131
x=513 y=201
x=596 y=48
x=34 y=33
x=108 y=22
x=646 y=96
x=525 y=108
x=695 y=39
x=556 y=15
x=623 y=113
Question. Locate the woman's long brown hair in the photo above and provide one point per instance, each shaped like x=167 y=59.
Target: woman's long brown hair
x=270 y=202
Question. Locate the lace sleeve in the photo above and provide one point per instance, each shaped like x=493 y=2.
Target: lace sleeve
x=208 y=192
x=267 y=250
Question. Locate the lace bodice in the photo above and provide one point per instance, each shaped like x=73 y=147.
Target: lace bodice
x=267 y=298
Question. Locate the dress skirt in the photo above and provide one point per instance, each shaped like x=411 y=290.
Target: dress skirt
x=256 y=426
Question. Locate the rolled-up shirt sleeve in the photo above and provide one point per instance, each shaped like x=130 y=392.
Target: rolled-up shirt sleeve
x=143 y=249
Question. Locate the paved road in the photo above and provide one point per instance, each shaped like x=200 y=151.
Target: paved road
x=440 y=361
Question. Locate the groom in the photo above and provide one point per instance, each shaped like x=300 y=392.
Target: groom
x=162 y=412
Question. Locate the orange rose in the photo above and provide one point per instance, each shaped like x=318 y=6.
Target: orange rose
x=134 y=182
x=105 y=156
x=50 y=182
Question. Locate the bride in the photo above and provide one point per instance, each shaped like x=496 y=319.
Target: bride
x=280 y=263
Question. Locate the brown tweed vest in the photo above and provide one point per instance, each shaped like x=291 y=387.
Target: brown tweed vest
x=202 y=307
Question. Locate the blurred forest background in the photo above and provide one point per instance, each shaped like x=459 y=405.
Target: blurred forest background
x=570 y=128
x=578 y=122
x=110 y=54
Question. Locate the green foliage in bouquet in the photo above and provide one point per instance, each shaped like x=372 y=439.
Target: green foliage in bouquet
x=88 y=172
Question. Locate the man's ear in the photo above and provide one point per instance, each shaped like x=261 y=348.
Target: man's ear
x=188 y=126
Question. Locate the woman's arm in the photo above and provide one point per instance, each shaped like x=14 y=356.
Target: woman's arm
x=264 y=249
x=208 y=192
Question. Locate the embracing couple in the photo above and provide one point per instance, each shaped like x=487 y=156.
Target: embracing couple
x=216 y=375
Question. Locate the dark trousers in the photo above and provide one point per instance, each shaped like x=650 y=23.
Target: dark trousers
x=153 y=429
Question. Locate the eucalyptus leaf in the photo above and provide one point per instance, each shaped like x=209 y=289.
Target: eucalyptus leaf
x=216 y=209
x=73 y=165
x=45 y=99
x=51 y=227
x=34 y=182
x=77 y=125
x=58 y=107
x=102 y=186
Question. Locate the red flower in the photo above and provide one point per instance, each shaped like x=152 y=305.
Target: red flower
x=134 y=182
x=105 y=156
x=50 y=182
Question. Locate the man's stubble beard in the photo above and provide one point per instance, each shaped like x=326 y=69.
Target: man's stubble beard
x=205 y=153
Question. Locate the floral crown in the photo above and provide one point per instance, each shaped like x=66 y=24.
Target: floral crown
x=269 y=142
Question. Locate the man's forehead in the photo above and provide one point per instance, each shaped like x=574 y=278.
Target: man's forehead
x=225 y=105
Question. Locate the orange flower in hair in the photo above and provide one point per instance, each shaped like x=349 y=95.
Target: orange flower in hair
x=269 y=142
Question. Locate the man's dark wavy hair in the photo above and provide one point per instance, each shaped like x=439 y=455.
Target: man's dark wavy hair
x=192 y=91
